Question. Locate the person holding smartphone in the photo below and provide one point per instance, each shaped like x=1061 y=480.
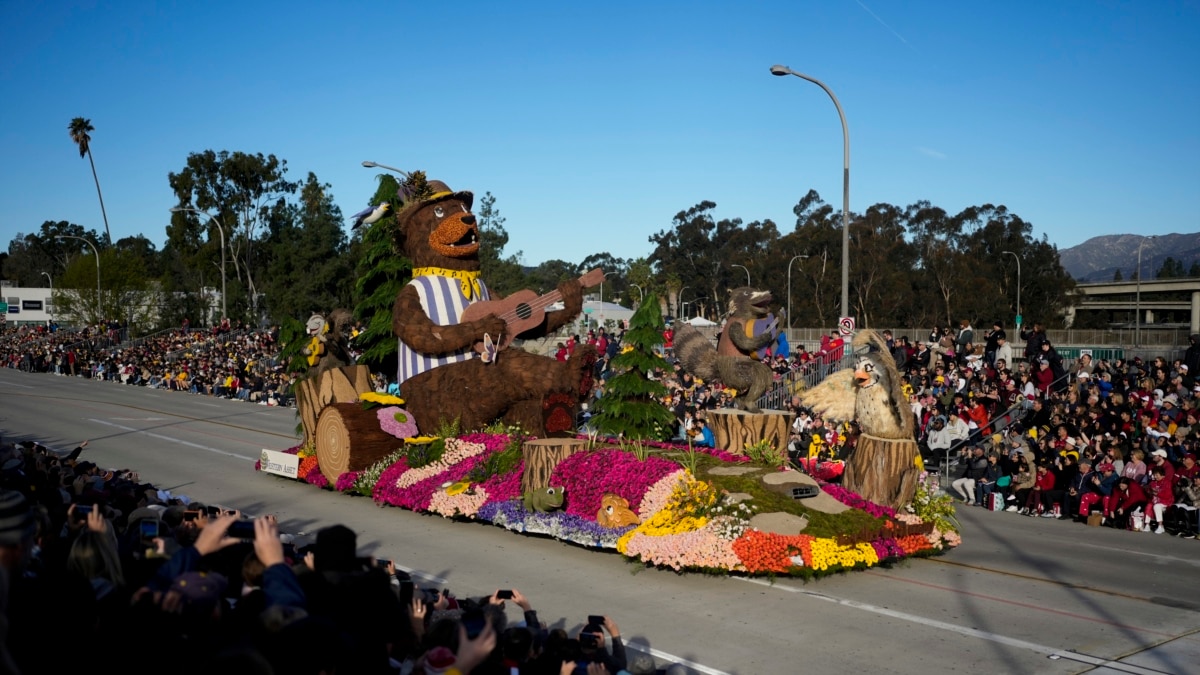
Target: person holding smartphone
x=591 y=643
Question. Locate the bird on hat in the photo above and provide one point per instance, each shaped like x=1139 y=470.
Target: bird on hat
x=371 y=215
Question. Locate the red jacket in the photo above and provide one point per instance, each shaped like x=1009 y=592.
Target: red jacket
x=1044 y=481
x=1130 y=500
x=1160 y=492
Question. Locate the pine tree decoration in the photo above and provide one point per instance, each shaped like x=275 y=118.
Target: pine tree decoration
x=631 y=406
x=382 y=273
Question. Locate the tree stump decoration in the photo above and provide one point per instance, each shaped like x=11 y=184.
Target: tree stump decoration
x=542 y=455
x=348 y=438
x=883 y=470
x=336 y=385
x=735 y=429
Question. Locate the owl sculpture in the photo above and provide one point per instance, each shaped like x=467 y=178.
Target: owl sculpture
x=871 y=393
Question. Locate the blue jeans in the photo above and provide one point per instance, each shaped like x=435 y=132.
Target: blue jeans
x=982 y=490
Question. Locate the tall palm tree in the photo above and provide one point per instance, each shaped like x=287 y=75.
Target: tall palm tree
x=81 y=129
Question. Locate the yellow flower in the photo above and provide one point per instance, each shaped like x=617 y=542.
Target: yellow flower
x=382 y=399
x=458 y=488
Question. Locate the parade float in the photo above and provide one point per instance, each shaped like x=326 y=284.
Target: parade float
x=484 y=431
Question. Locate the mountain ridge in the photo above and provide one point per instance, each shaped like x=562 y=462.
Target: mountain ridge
x=1099 y=258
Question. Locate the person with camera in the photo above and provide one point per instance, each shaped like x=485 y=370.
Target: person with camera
x=974 y=468
x=592 y=649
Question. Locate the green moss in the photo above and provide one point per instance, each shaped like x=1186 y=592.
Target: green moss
x=765 y=501
x=502 y=462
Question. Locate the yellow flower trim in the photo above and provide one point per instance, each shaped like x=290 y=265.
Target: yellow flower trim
x=382 y=399
x=468 y=280
x=458 y=488
x=679 y=515
x=418 y=440
x=827 y=553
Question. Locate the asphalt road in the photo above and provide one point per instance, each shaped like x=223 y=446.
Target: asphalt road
x=1021 y=595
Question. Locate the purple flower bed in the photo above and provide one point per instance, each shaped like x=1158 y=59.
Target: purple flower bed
x=510 y=511
x=315 y=477
x=588 y=475
x=565 y=526
x=345 y=482
x=888 y=548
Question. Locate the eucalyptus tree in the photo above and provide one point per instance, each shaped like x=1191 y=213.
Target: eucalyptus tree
x=243 y=192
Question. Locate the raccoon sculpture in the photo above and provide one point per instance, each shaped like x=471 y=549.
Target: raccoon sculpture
x=730 y=362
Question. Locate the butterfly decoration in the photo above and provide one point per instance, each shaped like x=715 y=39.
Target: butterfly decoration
x=489 y=349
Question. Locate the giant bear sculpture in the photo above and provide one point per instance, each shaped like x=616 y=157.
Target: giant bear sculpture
x=441 y=373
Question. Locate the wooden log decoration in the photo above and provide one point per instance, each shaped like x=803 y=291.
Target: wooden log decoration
x=735 y=429
x=883 y=470
x=542 y=455
x=336 y=385
x=349 y=439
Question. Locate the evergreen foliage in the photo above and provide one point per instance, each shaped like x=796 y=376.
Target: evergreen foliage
x=631 y=407
x=382 y=273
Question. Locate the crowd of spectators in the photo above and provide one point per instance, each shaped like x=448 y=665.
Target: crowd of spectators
x=124 y=572
x=1116 y=440
x=225 y=361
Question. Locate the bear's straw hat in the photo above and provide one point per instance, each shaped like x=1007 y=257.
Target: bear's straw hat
x=429 y=193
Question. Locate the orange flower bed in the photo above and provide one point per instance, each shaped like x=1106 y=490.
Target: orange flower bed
x=768 y=552
x=307 y=465
x=913 y=543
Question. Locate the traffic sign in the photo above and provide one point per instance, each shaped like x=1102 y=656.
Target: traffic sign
x=3 y=308
x=846 y=325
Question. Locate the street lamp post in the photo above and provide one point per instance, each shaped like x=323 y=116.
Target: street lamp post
x=679 y=299
x=1137 y=302
x=97 y=252
x=375 y=165
x=640 y=293
x=784 y=70
x=789 y=282
x=51 y=281
x=221 y=229
x=747 y=273
x=1018 y=259
x=684 y=305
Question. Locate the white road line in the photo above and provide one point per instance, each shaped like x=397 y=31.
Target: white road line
x=176 y=440
x=671 y=658
x=1155 y=556
x=14 y=384
x=1051 y=652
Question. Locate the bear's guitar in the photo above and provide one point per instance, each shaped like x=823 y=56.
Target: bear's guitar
x=522 y=310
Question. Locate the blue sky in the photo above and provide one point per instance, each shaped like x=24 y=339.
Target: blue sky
x=593 y=124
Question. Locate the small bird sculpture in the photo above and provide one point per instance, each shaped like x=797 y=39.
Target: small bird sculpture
x=371 y=214
x=871 y=393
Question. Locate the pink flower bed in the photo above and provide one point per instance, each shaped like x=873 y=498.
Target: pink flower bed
x=657 y=496
x=464 y=504
x=588 y=475
x=856 y=501
x=699 y=548
x=415 y=488
x=506 y=486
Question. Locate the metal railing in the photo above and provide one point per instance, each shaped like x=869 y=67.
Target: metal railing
x=997 y=424
x=795 y=381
